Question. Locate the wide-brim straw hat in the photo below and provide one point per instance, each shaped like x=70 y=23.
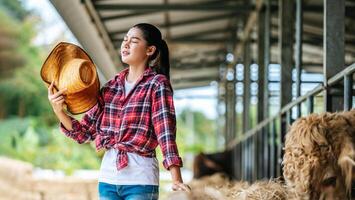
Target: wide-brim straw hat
x=69 y=66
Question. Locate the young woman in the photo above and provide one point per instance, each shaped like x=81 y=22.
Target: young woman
x=134 y=114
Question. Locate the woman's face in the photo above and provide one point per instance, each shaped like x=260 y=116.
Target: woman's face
x=134 y=49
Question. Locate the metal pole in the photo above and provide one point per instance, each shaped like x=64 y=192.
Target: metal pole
x=310 y=104
x=348 y=92
x=298 y=55
x=286 y=16
x=267 y=33
x=246 y=87
x=333 y=45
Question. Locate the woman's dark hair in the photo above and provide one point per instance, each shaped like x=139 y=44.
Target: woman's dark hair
x=160 y=59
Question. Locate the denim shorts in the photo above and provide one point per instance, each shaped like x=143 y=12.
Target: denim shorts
x=128 y=192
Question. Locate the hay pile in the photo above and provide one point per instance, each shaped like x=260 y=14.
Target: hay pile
x=272 y=189
x=214 y=187
x=218 y=187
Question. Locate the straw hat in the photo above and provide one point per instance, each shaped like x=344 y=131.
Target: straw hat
x=70 y=67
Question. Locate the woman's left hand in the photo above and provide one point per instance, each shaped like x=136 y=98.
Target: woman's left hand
x=179 y=186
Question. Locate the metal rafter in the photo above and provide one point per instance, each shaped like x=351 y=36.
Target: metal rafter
x=201 y=34
x=102 y=31
x=175 y=7
x=185 y=22
x=197 y=65
x=148 y=12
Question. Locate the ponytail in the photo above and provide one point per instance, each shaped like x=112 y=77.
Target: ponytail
x=159 y=61
x=162 y=64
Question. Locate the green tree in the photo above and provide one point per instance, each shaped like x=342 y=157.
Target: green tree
x=28 y=128
x=28 y=140
x=10 y=57
x=197 y=131
x=22 y=91
x=15 y=9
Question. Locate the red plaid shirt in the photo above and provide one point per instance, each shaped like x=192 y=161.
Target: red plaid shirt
x=135 y=123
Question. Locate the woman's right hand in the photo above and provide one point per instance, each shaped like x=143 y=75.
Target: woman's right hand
x=56 y=99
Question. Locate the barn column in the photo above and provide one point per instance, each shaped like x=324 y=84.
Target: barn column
x=298 y=50
x=246 y=85
x=333 y=45
x=246 y=107
x=263 y=95
x=286 y=33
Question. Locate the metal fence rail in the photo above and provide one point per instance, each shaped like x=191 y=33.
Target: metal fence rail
x=257 y=153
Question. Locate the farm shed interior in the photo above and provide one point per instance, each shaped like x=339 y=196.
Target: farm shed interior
x=239 y=45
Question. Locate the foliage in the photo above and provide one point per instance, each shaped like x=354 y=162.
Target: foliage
x=29 y=140
x=14 y=8
x=196 y=131
x=21 y=89
x=27 y=127
x=10 y=57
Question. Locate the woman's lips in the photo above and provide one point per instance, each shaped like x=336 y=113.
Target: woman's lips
x=125 y=53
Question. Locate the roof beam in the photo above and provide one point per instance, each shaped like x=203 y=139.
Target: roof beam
x=349 y=9
x=203 y=41
x=122 y=16
x=185 y=22
x=194 y=73
x=167 y=22
x=88 y=35
x=190 y=84
x=203 y=33
x=214 y=52
x=201 y=64
x=101 y=28
x=250 y=23
x=117 y=42
x=175 y=7
x=147 y=12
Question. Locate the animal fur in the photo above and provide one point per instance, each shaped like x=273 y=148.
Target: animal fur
x=319 y=155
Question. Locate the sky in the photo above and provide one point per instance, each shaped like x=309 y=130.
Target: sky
x=52 y=27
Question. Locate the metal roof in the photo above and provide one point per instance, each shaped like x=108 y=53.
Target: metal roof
x=199 y=32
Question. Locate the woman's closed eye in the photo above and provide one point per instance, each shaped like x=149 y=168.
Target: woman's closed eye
x=132 y=39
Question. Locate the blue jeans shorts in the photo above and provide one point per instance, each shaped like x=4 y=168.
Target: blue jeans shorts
x=128 y=192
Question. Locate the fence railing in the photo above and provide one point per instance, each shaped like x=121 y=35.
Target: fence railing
x=258 y=154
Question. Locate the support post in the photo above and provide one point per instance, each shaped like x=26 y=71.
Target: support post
x=298 y=51
x=246 y=86
x=333 y=44
x=266 y=61
x=286 y=34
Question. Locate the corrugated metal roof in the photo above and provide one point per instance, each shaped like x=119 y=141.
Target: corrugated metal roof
x=199 y=32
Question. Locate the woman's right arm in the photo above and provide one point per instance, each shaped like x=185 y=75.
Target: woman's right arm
x=65 y=120
x=82 y=131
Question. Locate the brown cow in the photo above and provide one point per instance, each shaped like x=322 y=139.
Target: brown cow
x=208 y=164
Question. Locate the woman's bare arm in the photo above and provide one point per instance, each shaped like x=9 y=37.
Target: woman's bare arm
x=178 y=183
x=57 y=102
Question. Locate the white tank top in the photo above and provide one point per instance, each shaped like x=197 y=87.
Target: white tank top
x=139 y=171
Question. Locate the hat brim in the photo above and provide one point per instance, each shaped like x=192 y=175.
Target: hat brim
x=51 y=69
x=60 y=54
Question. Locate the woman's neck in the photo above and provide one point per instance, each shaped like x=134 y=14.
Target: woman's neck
x=135 y=72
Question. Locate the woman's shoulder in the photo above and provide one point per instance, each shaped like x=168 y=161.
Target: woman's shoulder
x=160 y=78
x=161 y=81
x=115 y=78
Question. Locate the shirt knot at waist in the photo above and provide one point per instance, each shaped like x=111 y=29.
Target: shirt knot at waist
x=122 y=149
